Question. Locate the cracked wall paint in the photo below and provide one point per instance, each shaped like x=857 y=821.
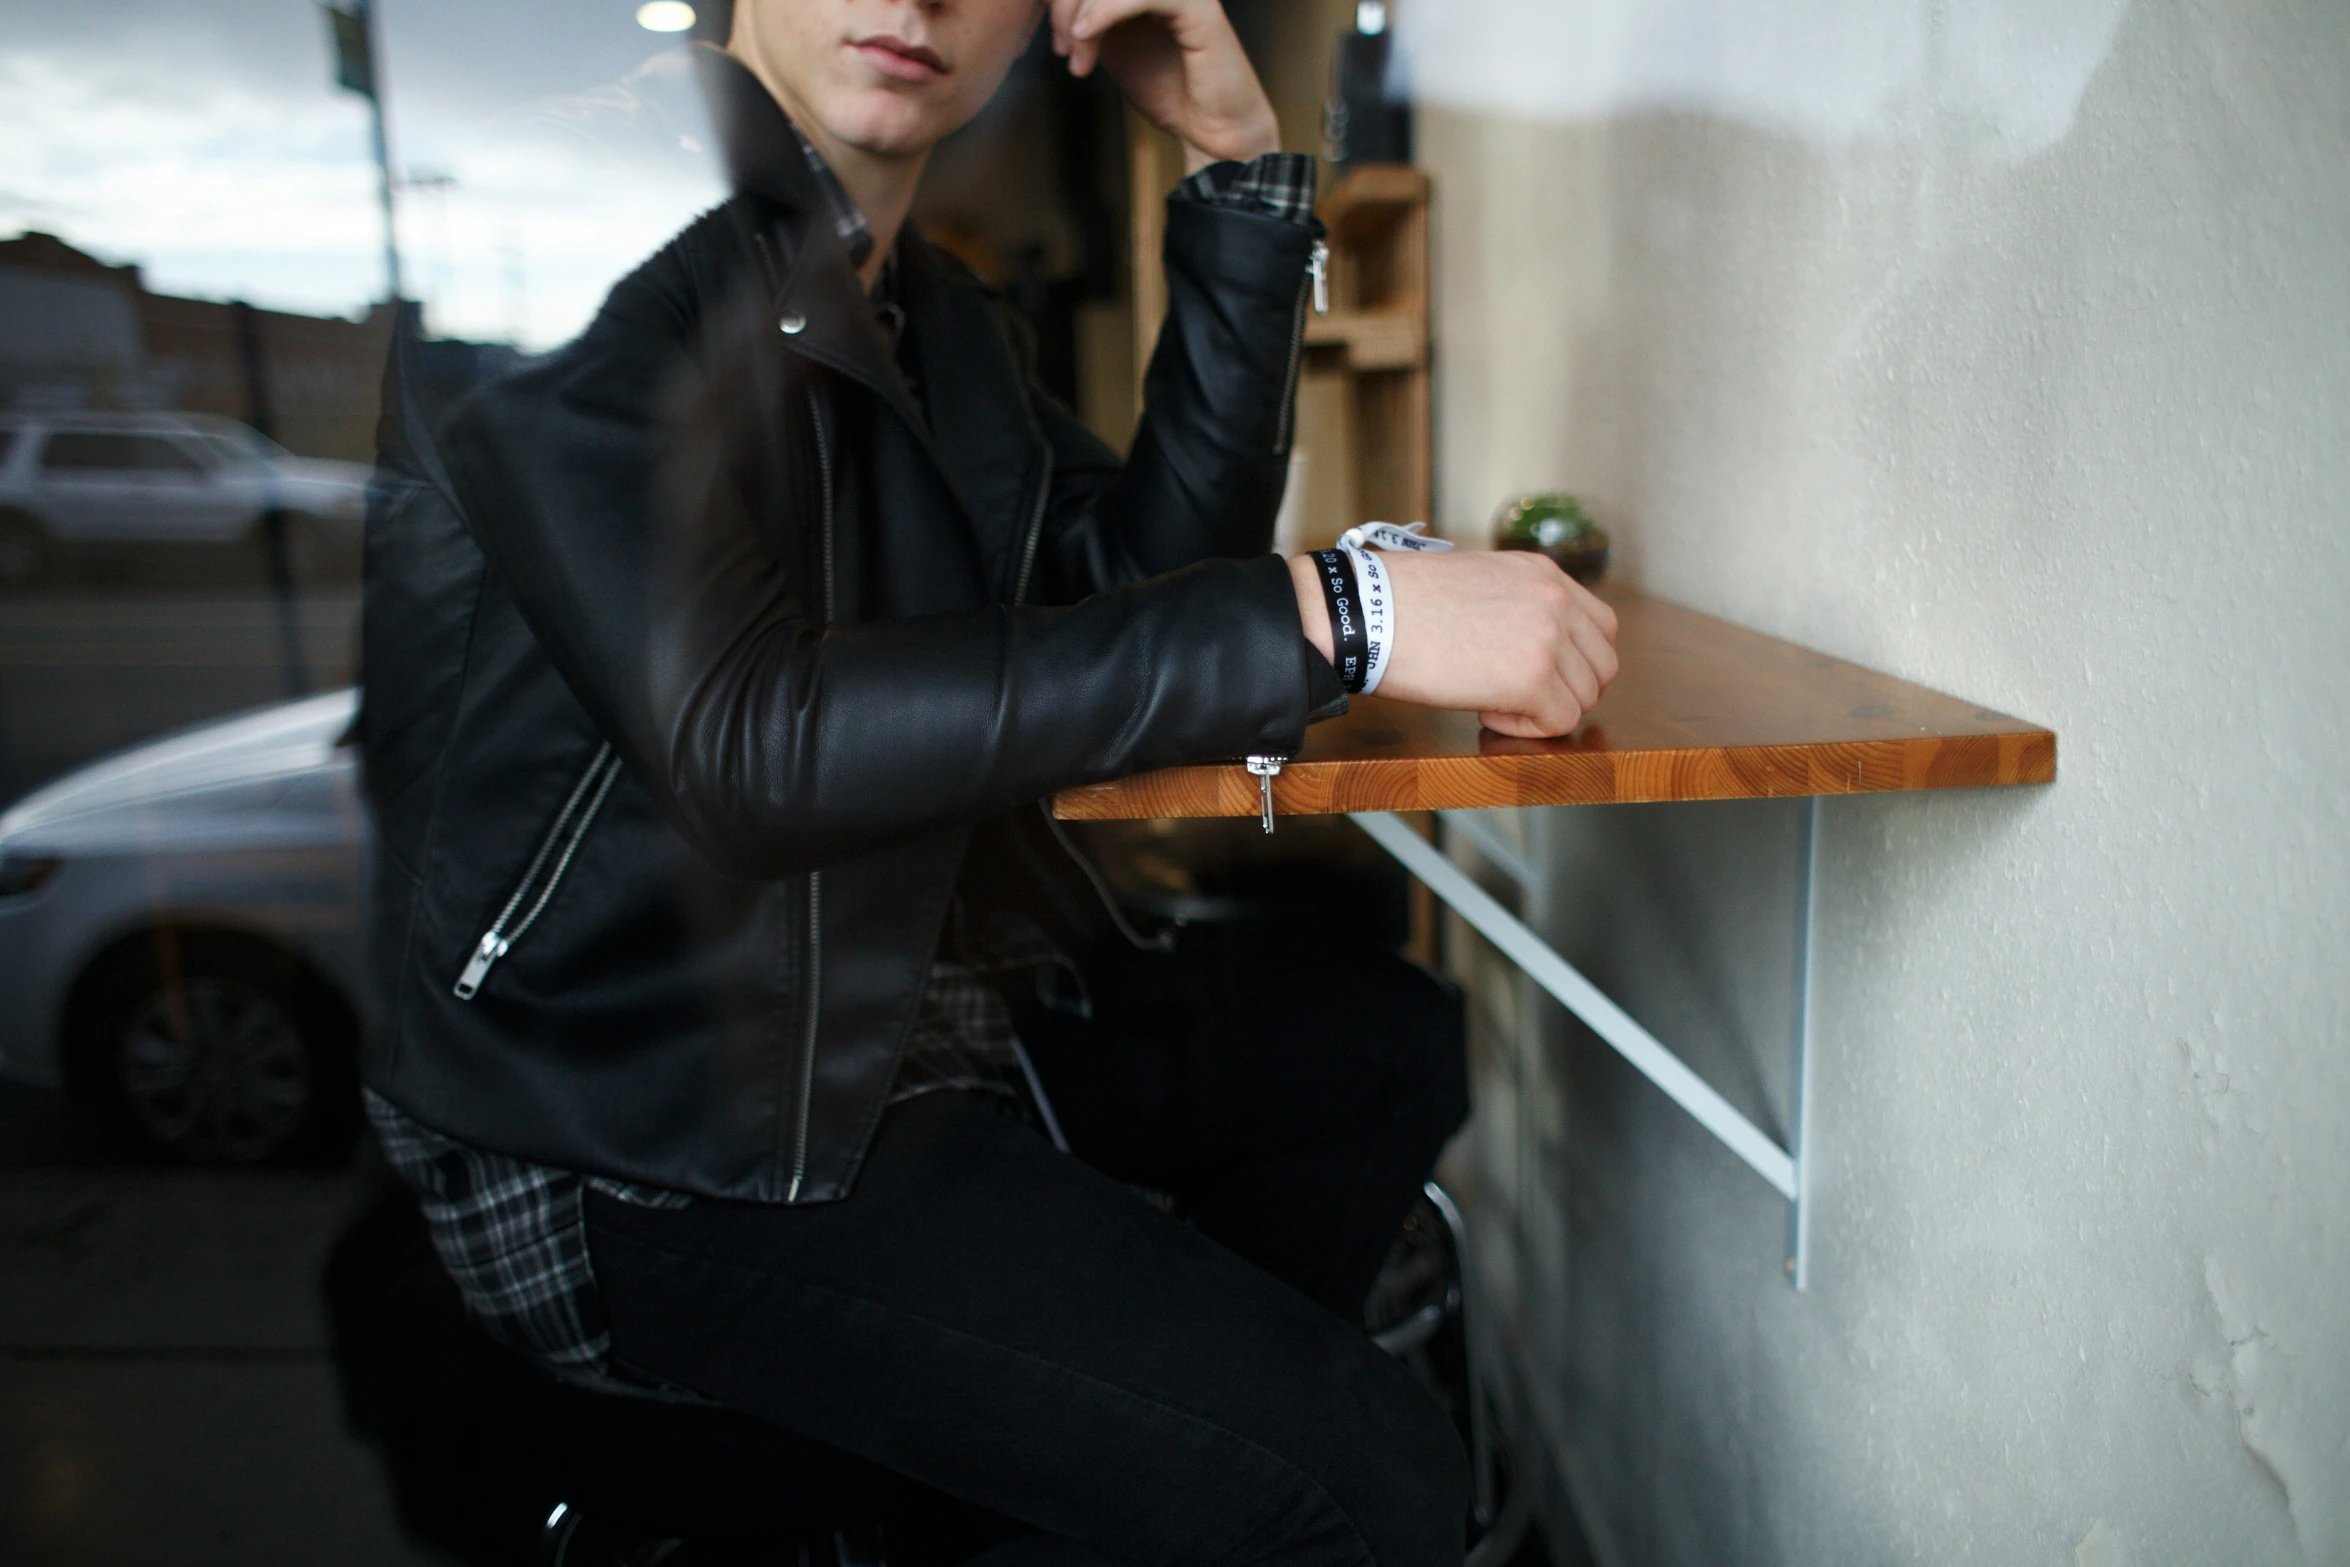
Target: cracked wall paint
x=2286 y=1433
x=2063 y=425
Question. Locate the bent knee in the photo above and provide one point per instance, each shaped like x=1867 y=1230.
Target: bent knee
x=1406 y=1486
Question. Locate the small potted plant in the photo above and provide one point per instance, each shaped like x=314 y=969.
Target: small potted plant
x=1555 y=523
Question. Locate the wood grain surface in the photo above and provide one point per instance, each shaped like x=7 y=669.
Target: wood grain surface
x=1703 y=710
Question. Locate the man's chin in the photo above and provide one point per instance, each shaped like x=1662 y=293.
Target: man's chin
x=890 y=128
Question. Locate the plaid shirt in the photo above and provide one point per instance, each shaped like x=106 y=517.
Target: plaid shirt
x=511 y=1233
x=1279 y=185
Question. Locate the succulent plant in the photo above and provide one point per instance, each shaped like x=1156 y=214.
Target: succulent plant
x=1555 y=523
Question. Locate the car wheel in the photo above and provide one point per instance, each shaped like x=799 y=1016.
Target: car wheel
x=221 y=1049
x=24 y=551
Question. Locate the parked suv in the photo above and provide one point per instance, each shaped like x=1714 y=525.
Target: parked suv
x=82 y=481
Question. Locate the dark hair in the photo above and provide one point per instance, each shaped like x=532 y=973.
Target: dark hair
x=714 y=21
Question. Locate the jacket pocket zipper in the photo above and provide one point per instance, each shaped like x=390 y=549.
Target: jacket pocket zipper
x=815 y=910
x=561 y=845
x=1313 y=288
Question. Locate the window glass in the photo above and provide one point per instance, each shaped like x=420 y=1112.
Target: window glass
x=216 y=217
x=117 y=450
x=231 y=450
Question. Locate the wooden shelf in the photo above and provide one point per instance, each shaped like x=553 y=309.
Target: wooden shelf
x=1373 y=346
x=1373 y=340
x=1704 y=710
x=1370 y=199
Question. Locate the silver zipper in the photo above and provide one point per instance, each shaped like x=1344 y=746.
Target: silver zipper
x=570 y=829
x=1313 y=288
x=1266 y=769
x=799 y=1153
x=1044 y=491
x=1164 y=940
x=824 y=470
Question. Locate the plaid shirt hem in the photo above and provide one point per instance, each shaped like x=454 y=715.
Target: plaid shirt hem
x=512 y=1235
x=1278 y=184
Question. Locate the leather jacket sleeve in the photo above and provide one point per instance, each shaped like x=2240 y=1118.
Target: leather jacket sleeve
x=1211 y=455
x=778 y=742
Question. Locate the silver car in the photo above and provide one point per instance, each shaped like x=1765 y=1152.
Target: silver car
x=180 y=933
x=71 y=482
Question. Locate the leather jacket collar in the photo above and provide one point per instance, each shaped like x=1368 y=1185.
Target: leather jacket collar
x=979 y=432
x=766 y=153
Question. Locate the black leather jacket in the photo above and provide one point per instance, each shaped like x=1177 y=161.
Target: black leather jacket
x=675 y=759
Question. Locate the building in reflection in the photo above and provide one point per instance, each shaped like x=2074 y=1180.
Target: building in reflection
x=79 y=333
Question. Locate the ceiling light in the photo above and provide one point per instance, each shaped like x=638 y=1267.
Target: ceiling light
x=665 y=16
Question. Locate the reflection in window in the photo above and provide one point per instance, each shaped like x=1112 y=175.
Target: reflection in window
x=118 y=451
x=229 y=451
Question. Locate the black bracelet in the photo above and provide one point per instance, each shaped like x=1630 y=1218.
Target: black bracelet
x=1350 y=647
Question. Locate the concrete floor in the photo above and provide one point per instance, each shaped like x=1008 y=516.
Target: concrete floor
x=165 y=1391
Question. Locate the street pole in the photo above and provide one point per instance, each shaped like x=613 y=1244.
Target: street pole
x=383 y=152
x=351 y=26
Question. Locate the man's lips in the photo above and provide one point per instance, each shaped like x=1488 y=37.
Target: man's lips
x=899 y=60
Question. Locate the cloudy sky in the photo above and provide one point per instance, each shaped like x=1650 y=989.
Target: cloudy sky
x=206 y=140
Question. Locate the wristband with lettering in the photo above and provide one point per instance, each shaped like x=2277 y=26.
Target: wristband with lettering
x=1361 y=544
x=1350 y=649
x=1378 y=615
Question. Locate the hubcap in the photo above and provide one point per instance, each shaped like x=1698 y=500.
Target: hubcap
x=217 y=1069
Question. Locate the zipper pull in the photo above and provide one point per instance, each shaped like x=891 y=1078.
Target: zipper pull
x=1318 y=266
x=1266 y=768
x=493 y=947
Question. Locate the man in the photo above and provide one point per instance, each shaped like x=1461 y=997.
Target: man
x=717 y=667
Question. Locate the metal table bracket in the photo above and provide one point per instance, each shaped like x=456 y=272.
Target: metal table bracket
x=1782 y=1168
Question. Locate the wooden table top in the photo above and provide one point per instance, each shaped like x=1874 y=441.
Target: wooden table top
x=1703 y=710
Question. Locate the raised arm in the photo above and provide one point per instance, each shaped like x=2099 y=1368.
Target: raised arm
x=1210 y=457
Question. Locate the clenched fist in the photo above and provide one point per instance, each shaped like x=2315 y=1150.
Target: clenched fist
x=1501 y=633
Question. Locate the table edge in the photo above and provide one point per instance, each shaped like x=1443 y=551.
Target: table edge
x=1993 y=759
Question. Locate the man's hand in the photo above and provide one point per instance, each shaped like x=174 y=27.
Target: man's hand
x=1502 y=633
x=1179 y=63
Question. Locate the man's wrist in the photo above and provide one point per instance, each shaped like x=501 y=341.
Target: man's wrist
x=1238 y=149
x=1313 y=615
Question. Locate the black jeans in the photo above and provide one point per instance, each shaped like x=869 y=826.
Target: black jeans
x=1021 y=1329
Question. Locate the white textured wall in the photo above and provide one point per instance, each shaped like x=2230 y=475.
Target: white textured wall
x=2004 y=347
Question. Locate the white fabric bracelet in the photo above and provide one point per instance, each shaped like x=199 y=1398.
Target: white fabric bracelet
x=1387 y=536
x=1362 y=545
x=1378 y=614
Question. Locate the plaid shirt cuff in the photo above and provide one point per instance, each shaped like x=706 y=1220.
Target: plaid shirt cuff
x=1279 y=184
